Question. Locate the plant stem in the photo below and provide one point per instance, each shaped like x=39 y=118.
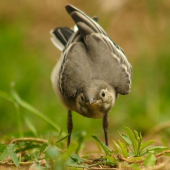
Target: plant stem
x=34 y=110
x=10 y=99
x=19 y=121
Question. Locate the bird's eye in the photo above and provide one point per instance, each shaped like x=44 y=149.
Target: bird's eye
x=103 y=94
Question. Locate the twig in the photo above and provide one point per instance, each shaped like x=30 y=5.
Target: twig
x=162 y=153
x=160 y=166
x=87 y=161
x=29 y=139
x=104 y=168
x=141 y=161
x=12 y=164
x=7 y=163
x=129 y=161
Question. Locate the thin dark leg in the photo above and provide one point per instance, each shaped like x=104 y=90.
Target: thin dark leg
x=69 y=126
x=105 y=127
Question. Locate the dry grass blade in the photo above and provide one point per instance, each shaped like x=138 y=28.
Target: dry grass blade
x=38 y=140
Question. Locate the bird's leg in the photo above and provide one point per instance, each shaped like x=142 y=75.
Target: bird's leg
x=105 y=127
x=69 y=126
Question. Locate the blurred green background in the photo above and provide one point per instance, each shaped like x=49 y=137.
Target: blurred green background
x=141 y=28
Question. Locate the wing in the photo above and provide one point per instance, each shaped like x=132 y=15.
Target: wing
x=109 y=64
x=79 y=16
x=75 y=70
x=109 y=60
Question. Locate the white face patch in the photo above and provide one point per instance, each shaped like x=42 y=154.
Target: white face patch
x=103 y=103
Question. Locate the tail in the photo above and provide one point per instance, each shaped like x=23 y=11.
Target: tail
x=60 y=37
x=86 y=24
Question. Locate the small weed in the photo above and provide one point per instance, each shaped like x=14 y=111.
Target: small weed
x=43 y=153
x=132 y=152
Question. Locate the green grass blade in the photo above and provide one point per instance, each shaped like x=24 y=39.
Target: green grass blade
x=146 y=144
x=157 y=149
x=124 y=149
x=4 y=154
x=2 y=148
x=34 y=110
x=76 y=158
x=125 y=138
x=30 y=126
x=60 y=134
x=150 y=160
x=117 y=147
x=61 y=139
x=80 y=141
x=139 y=141
x=132 y=138
x=110 y=160
x=105 y=148
x=19 y=121
x=136 y=134
x=12 y=154
x=43 y=148
x=70 y=150
x=6 y=96
x=76 y=162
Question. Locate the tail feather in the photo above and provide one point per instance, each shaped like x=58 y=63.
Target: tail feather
x=60 y=37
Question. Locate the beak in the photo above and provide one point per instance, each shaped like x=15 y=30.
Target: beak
x=91 y=101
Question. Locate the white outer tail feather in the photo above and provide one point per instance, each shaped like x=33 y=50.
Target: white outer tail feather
x=56 y=42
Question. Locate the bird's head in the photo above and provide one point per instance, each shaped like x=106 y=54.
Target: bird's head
x=96 y=99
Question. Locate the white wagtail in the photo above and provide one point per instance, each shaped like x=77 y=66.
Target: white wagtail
x=92 y=70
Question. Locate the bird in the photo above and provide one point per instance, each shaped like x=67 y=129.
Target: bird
x=92 y=70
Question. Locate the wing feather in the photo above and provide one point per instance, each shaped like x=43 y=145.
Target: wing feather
x=75 y=70
x=110 y=65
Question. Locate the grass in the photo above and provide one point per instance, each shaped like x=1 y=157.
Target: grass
x=27 y=58
x=130 y=152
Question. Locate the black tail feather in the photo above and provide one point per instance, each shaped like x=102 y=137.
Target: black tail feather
x=63 y=34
